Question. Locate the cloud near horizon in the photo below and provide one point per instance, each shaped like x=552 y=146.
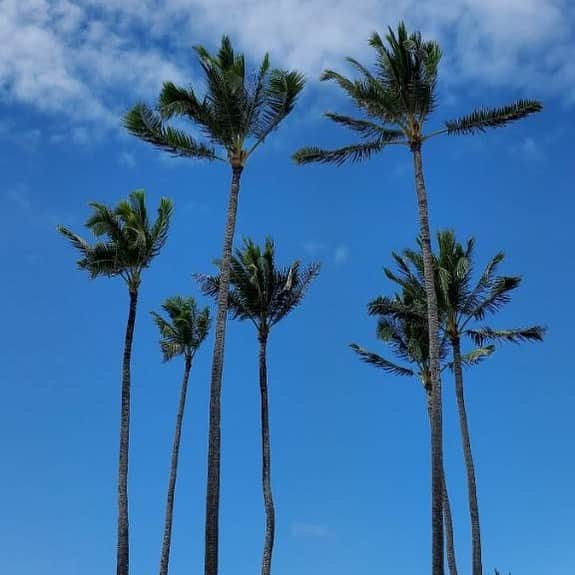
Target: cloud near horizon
x=88 y=60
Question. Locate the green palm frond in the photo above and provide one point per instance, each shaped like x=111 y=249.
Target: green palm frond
x=498 y=295
x=147 y=125
x=378 y=361
x=485 y=118
x=484 y=335
x=127 y=240
x=236 y=112
x=178 y=101
x=353 y=153
x=475 y=356
x=279 y=98
x=260 y=290
x=368 y=129
x=185 y=329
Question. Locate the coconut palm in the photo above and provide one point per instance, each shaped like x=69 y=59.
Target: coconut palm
x=126 y=243
x=238 y=111
x=403 y=326
x=396 y=100
x=463 y=302
x=263 y=293
x=180 y=335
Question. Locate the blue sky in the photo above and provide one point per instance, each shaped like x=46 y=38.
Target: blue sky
x=350 y=444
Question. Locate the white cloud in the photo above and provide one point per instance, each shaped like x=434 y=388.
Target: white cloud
x=310 y=530
x=341 y=254
x=19 y=196
x=127 y=159
x=89 y=59
x=528 y=149
x=313 y=248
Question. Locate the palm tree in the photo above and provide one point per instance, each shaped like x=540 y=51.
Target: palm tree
x=264 y=294
x=403 y=326
x=463 y=302
x=181 y=334
x=238 y=111
x=397 y=98
x=126 y=243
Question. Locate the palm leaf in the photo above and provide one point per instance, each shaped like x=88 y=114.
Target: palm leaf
x=147 y=125
x=378 y=361
x=353 y=153
x=483 y=335
x=484 y=118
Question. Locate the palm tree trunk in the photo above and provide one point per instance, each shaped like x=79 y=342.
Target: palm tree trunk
x=477 y=568
x=447 y=518
x=266 y=462
x=214 y=441
x=165 y=557
x=436 y=407
x=123 y=546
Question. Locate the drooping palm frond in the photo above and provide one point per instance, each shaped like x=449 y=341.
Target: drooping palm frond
x=147 y=125
x=475 y=356
x=484 y=335
x=185 y=329
x=485 y=118
x=353 y=153
x=378 y=361
x=367 y=128
x=98 y=259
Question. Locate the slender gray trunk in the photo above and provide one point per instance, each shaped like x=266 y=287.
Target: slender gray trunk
x=167 y=540
x=477 y=568
x=214 y=441
x=447 y=518
x=123 y=545
x=436 y=407
x=266 y=461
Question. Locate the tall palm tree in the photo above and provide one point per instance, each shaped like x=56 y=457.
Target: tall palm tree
x=126 y=243
x=264 y=294
x=463 y=302
x=403 y=325
x=396 y=99
x=238 y=111
x=180 y=335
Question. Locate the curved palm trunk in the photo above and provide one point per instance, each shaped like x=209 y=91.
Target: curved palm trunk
x=436 y=407
x=447 y=518
x=477 y=568
x=213 y=484
x=266 y=462
x=123 y=545
x=167 y=540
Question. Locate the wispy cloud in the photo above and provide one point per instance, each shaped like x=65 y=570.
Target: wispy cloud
x=528 y=149
x=18 y=195
x=89 y=59
x=314 y=248
x=310 y=530
x=127 y=160
x=341 y=254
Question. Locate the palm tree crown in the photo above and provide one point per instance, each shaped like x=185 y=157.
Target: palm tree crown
x=237 y=112
x=402 y=324
x=127 y=240
x=397 y=97
x=185 y=329
x=461 y=300
x=260 y=291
